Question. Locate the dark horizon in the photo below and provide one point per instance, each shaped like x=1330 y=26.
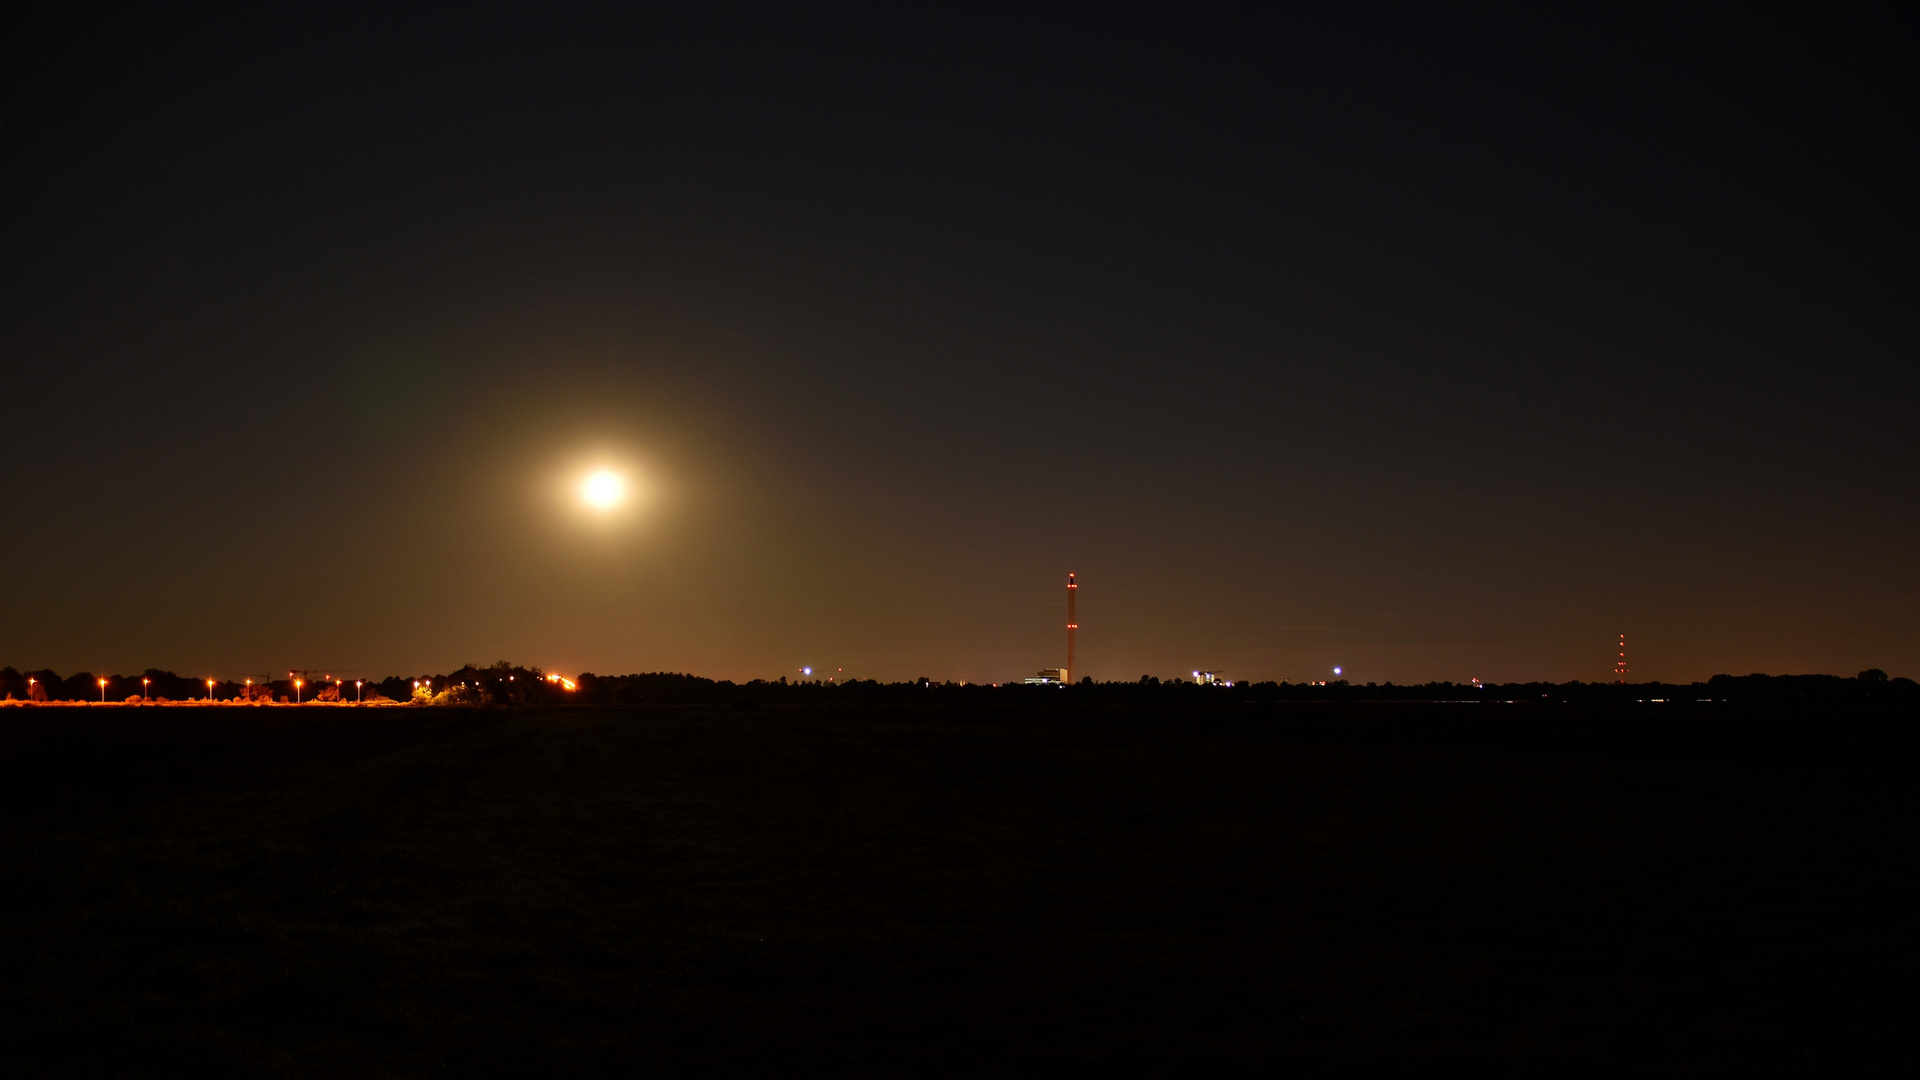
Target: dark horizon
x=507 y=684
x=1430 y=345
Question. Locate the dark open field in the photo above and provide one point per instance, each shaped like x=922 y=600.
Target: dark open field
x=408 y=892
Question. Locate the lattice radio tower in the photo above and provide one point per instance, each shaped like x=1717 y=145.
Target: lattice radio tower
x=1073 y=626
x=1620 y=666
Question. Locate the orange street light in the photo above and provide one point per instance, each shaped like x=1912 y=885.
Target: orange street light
x=297 y=684
x=359 y=691
x=144 y=698
x=209 y=689
x=103 y=691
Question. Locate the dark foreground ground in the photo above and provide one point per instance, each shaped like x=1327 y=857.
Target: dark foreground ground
x=409 y=892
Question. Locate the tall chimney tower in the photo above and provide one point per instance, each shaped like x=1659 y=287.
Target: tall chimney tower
x=1073 y=625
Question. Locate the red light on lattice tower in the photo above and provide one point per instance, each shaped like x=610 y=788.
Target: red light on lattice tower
x=1620 y=666
x=1073 y=625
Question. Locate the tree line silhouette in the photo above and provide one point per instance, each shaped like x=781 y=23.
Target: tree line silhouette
x=508 y=684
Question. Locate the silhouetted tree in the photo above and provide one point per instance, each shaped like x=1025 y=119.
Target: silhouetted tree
x=79 y=686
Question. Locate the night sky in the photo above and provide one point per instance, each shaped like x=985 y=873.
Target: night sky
x=1430 y=345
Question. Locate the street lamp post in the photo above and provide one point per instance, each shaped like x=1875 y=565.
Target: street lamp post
x=103 y=691
x=209 y=689
x=359 y=691
x=297 y=684
x=145 y=697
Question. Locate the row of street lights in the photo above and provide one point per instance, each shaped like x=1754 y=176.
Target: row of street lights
x=359 y=688
x=144 y=683
x=299 y=684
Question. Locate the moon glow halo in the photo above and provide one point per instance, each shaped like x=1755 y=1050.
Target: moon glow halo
x=603 y=490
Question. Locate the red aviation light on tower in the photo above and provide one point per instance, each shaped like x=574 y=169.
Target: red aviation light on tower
x=1073 y=627
x=1620 y=667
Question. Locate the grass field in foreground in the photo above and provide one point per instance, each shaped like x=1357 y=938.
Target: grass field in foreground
x=408 y=892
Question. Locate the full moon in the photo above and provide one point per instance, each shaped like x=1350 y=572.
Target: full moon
x=603 y=490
